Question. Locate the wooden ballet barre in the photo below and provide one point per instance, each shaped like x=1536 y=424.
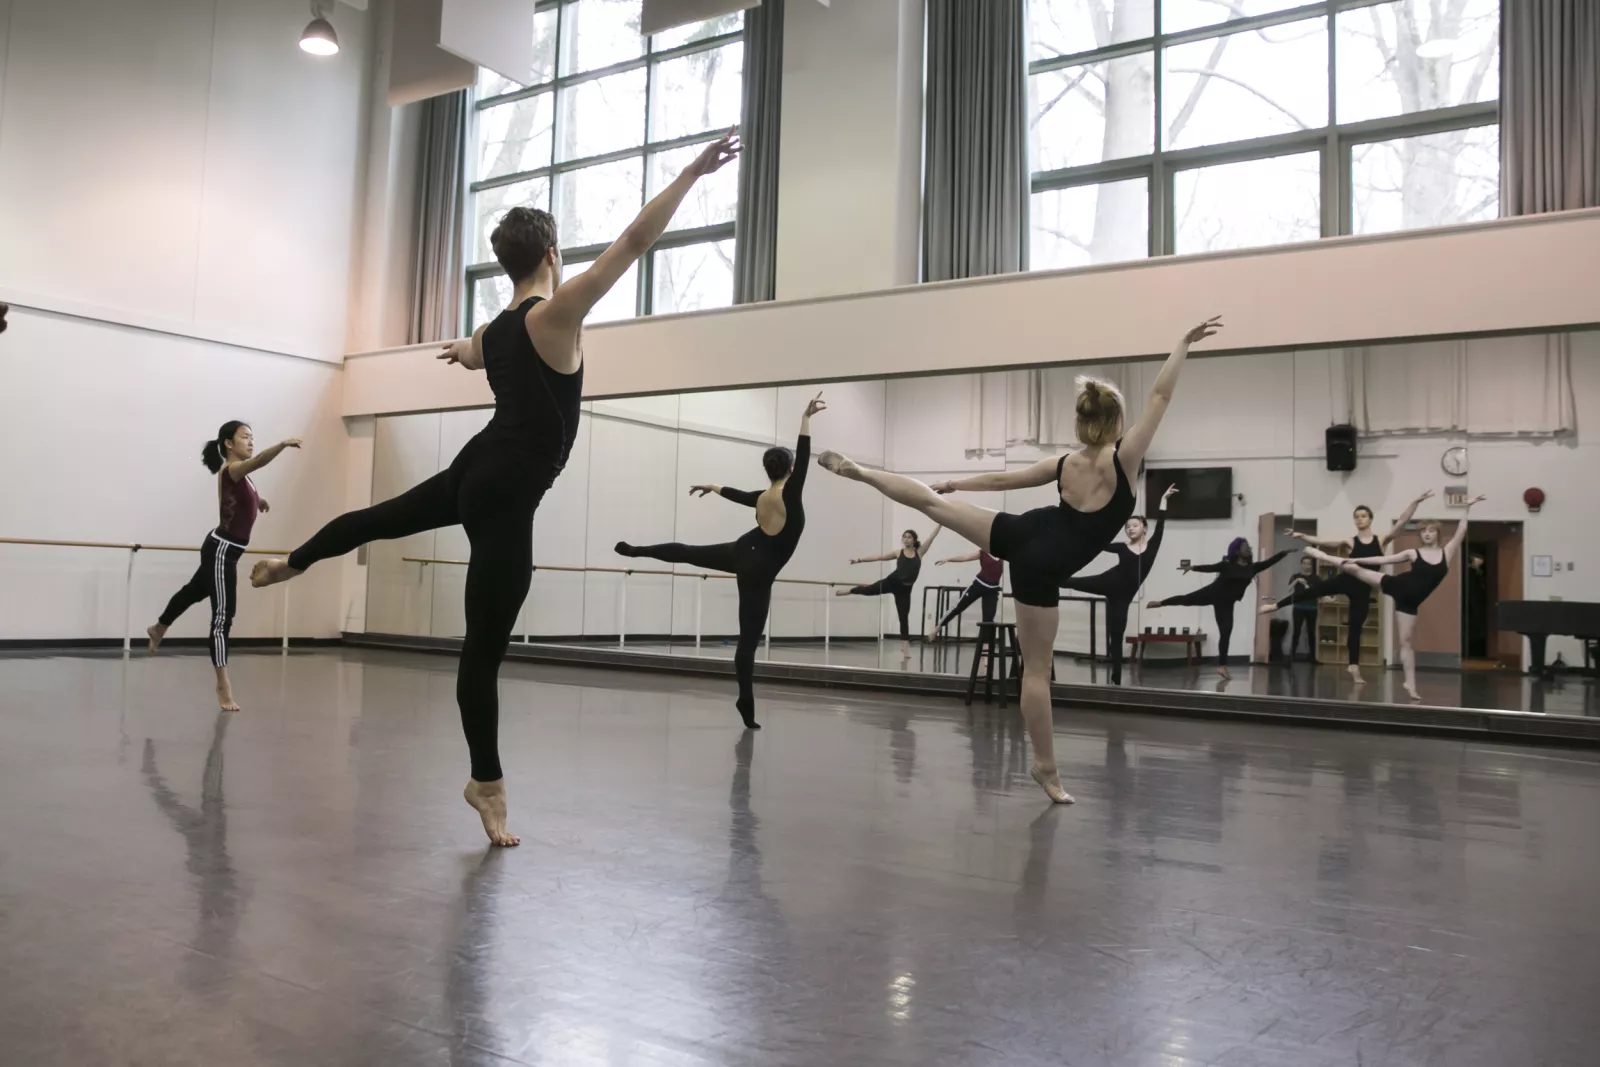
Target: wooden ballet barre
x=127 y=546
x=626 y=570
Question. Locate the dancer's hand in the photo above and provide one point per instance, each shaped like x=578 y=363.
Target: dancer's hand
x=1206 y=329
x=815 y=406
x=262 y=506
x=1426 y=494
x=457 y=351
x=940 y=562
x=1185 y=567
x=944 y=488
x=1170 y=490
x=1475 y=500
x=704 y=490
x=717 y=153
x=289 y=442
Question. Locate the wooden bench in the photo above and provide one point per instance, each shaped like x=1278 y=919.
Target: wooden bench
x=1140 y=642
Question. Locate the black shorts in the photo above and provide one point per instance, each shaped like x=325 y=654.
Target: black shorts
x=1047 y=546
x=1402 y=593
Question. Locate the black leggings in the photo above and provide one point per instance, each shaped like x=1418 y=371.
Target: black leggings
x=217 y=578
x=902 y=600
x=755 y=577
x=1222 y=603
x=1307 y=621
x=1355 y=591
x=492 y=491
x=1118 y=599
x=989 y=594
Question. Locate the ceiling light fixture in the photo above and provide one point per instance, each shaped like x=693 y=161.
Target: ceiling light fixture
x=319 y=38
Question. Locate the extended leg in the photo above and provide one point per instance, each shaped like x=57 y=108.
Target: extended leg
x=723 y=557
x=1036 y=631
x=755 y=598
x=1333 y=585
x=968 y=520
x=1205 y=595
x=198 y=588
x=968 y=598
x=1103 y=584
x=429 y=505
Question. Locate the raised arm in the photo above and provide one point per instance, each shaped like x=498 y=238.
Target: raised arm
x=802 y=453
x=970 y=557
x=1406 y=555
x=1320 y=542
x=881 y=558
x=1206 y=568
x=1136 y=440
x=1269 y=562
x=559 y=317
x=1041 y=473
x=738 y=496
x=241 y=469
x=1453 y=546
x=1405 y=517
x=922 y=549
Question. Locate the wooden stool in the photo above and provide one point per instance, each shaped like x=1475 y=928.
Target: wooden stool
x=997 y=646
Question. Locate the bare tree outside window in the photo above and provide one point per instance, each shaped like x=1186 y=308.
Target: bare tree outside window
x=607 y=118
x=1410 y=130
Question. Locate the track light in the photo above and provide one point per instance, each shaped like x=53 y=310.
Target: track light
x=319 y=38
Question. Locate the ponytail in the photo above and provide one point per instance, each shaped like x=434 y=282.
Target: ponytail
x=214 y=455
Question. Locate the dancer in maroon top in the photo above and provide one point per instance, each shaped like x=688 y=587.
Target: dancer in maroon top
x=985 y=587
x=232 y=457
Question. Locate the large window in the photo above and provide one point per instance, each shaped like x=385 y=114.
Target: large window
x=611 y=118
x=1169 y=126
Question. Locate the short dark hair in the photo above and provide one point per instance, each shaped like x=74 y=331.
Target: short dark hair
x=1362 y=507
x=777 y=461
x=916 y=542
x=523 y=238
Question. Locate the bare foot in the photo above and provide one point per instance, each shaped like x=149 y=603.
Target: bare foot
x=1050 y=782
x=271 y=572
x=1355 y=674
x=1222 y=672
x=839 y=464
x=932 y=636
x=225 y=699
x=1411 y=691
x=155 y=633
x=841 y=592
x=1155 y=604
x=1267 y=609
x=488 y=799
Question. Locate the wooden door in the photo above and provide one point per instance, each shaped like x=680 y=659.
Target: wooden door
x=1438 y=635
x=1266 y=537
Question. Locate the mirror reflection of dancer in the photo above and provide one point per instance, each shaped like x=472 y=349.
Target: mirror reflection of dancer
x=1121 y=583
x=985 y=587
x=907 y=566
x=532 y=354
x=1429 y=565
x=232 y=457
x=5 y=309
x=1364 y=545
x=1048 y=545
x=756 y=558
x=1305 y=611
x=1234 y=572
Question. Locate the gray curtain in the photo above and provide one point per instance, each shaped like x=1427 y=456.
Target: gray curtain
x=439 y=275
x=755 y=254
x=975 y=185
x=1549 y=105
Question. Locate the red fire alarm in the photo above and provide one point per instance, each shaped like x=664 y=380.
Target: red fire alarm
x=1534 y=498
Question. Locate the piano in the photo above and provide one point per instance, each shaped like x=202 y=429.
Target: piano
x=1539 y=619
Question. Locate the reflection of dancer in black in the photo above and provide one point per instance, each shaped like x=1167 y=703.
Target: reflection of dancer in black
x=1305 y=611
x=1121 y=583
x=232 y=457
x=1234 y=574
x=985 y=587
x=1048 y=545
x=532 y=354
x=1429 y=565
x=907 y=566
x=1362 y=546
x=757 y=557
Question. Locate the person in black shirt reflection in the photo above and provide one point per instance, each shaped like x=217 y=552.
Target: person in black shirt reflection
x=1234 y=572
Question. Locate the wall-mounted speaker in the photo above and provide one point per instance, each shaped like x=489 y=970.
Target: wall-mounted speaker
x=1341 y=444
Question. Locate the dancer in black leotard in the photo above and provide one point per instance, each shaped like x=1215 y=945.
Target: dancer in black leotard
x=232 y=457
x=1429 y=565
x=757 y=557
x=907 y=566
x=985 y=587
x=1305 y=611
x=1363 y=545
x=1234 y=574
x=1048 y=545
x=1121 y=583
x=532 y=354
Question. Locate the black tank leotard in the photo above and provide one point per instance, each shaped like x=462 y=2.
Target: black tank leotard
x=1048 y=545
x=1119 y=585
x=898 y=585
x=492 y=489
x=1410 y=589
x=1357 y=594
x=755 y=559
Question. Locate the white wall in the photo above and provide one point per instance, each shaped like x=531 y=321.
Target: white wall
x=178 y=208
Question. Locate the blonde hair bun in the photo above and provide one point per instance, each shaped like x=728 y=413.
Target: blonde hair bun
x=1099 y=410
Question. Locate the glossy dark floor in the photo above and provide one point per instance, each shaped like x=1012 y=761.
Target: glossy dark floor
x=868 y=880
